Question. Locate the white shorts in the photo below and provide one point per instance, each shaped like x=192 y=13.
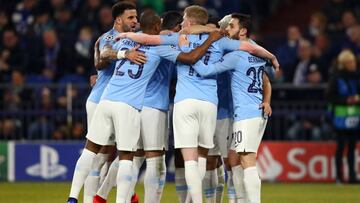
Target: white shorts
x=116 y=117
x=222 y=138
x=90 y=110
x=153 y=130
x=247 y=134
x=194 y=123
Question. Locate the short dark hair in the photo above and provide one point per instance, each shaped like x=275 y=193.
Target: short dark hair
x=120 y=7
x=213 y=20
x=171 y=19
x=244 y=21
x=148 y=19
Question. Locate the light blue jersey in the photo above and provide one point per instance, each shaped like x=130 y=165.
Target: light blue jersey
x=157 y=90
x=246 y=81
x=129 y=81
x=224 y=95
x=190 y=85
x=104 y=75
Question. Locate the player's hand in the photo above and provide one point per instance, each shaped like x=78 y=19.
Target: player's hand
x=135 y=56
x=224 y=32
x=215 y=35
x=183 y=41
x=93 y=79
x=275 y=64
x=267 y=111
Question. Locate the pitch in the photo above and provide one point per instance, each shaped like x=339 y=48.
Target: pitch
x=271 y=193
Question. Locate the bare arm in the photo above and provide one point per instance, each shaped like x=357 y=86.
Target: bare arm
x=265 y=105
x=197 y=29
x=193 y=56
x=108 y=54
x=259 y=51
x=98 y=62
x=141 y=38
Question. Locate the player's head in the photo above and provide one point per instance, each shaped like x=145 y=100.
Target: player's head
x=124 y=14
x=171 y=20
x=195 y=15
x=150 y=22
x=224 y=22
x=239 y=26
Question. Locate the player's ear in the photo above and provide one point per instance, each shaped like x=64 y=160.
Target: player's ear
x=118 y=20
x=243 y=31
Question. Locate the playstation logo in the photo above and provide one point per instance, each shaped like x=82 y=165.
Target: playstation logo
x=49 y=166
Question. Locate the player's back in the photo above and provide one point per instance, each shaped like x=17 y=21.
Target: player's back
x=246 y=84
x=190 y=84
x=104 y=75
x=129 y=81
x=157 y=90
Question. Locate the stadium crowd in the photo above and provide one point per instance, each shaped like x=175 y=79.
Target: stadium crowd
x=45 y=42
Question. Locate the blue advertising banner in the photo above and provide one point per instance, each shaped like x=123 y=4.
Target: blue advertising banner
x=45 y=162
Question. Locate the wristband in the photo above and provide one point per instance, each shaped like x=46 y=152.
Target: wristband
x=120 y=54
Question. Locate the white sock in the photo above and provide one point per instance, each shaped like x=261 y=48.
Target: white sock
x=252 y=184
x=210 y=182
x=92 y=181
x=154 y=180
x=202 y=166
x=110 y=180
x=82 y=169
x=193 y=181
x=104 y=171
x=124 y=178
x=137 y=163
x=180 y=182
x=221 y=184
x=230 y=188
x=238 y=179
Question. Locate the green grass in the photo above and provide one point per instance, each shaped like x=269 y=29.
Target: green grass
x=271 y=193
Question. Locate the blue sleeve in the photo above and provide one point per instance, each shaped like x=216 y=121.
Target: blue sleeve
x=226 y=44
x=168 y=52
x=171 y=39
x=227 y=62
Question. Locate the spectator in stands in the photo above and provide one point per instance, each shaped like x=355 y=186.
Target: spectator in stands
x=344 y=96
x=9 y=130
x=353 y=41
x=78 y=131
x=17 y=96
x=83 y=51
x=307 y=70
x=105 y=19
x=43 y=126
x=51 y=50
x=317 y=25
x=287 y=52
x=333 y=10
x=4 y=21
x=12 y=56
x=89 y=12
x=65 y=26
x=348 y=19
x=323 y=52
x=23 y=16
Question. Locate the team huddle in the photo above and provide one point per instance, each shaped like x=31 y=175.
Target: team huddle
x=219 y=113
